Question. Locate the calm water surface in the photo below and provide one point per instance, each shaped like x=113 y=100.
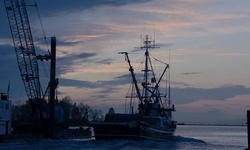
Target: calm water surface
x=215 y=137
x=187 y=138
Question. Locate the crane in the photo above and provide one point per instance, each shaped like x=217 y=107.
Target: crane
x=27 y=58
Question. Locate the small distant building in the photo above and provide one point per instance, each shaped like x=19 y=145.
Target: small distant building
x=5 y=114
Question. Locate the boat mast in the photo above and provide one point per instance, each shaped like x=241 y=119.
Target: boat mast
x=145 y=84
x=146 y=46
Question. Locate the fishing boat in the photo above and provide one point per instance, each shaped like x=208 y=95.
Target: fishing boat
x=153 y=118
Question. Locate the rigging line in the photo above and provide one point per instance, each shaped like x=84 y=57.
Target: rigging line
x=166 y=89
x=131 y=100
x=45 y=39
x=158 y=60
x=45 y=72
x=125 y=109
x=169 y=77
x=129 y=89
x=153 y=73
x=41 y=23
x=138 y=67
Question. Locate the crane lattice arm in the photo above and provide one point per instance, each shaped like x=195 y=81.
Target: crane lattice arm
x=24 y=47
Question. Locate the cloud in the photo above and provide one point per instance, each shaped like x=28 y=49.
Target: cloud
x=231 y=110
x=60 y=8
x=8 y=63
x=120 y=80
x=190 y=73
x=10 y=72
x=178 y=95
x=66 y=63
x=188 y=95
x=105 y=61
x=59 y=42
x=77 y=83
x=66 y=6
x=89 y=31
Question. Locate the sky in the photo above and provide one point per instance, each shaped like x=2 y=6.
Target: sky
x=208 y=43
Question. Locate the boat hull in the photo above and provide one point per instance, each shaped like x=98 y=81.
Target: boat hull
x=114 y=130
x=158 y=134
x=130 y=131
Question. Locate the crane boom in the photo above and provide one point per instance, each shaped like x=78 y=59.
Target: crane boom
x=24 y=47
x=28 y=66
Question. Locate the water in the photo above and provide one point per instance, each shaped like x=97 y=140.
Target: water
x=187 y=138
x=214 y=137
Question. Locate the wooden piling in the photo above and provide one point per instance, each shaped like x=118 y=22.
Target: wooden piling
x=248 y=129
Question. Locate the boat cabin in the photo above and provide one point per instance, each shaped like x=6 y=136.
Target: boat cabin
x=156 y=121
x=5 y=114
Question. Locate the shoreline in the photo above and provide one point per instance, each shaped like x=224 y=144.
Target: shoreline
x=201 y=124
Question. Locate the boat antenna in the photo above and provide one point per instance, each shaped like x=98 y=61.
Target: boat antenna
x=141 y=41
x=154 y=38
x=8 y=88
x=169 y=96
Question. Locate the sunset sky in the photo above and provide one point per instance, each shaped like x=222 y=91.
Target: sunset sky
x=208 y=42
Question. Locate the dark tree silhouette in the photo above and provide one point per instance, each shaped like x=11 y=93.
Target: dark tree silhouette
x=74 y=114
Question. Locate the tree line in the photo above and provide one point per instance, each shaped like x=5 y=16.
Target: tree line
x=74 y=114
